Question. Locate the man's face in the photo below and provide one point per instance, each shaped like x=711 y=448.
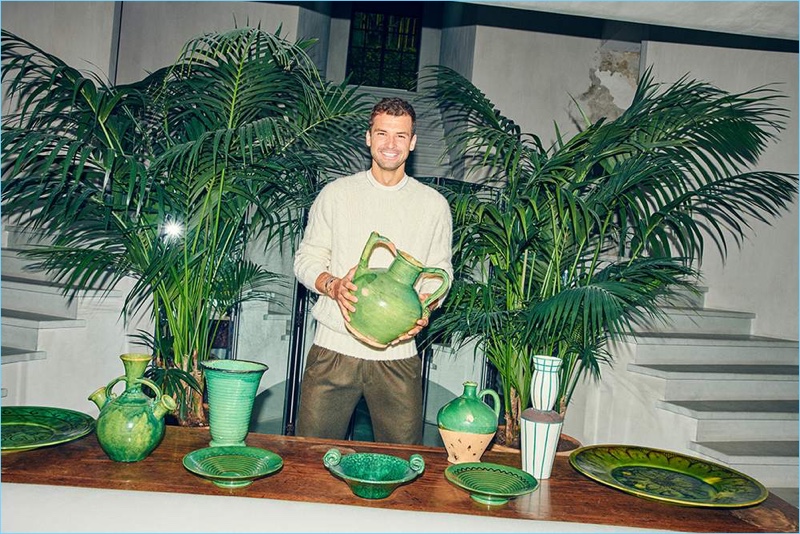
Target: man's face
x=390 y=140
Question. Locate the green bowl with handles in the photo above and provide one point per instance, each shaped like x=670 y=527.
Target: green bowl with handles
x=373 y=475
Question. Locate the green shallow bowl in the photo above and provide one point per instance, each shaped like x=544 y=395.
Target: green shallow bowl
x=490 y=484
x=667 y=476
x=373 y=475
x=232 y=467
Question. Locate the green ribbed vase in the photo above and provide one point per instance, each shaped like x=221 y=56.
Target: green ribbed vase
x=232 y=386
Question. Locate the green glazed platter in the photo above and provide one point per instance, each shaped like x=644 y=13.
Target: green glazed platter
x=490 y=484
x=24 y=428
x=667 y=476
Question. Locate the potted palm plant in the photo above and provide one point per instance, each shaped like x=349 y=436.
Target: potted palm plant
x=559 y=249
x=168 y=179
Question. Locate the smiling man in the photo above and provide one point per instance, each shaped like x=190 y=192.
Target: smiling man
x=340 y=369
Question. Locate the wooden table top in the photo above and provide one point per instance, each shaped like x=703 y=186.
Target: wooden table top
x=567 y=496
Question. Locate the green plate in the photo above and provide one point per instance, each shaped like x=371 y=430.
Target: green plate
x=232 y=467
x=491 y=484
x=24 y=428
x=667 y=476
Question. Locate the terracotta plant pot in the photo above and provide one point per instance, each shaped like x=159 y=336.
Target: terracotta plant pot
x=566 y=444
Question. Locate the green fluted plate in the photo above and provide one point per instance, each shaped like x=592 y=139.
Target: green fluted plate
x=667 y=476
x=491 y=484
x=23 y=428
x=232 y=467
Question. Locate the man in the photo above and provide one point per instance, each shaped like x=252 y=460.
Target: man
x=416 y=218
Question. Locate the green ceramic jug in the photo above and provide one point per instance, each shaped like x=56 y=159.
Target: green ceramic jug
x=468 y=413
x=388 y=305
x=131 y=425
x=467 y=424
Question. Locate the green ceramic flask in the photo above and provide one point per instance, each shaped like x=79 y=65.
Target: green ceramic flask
x=388 y=305
x=131 y=425
x=467 y=424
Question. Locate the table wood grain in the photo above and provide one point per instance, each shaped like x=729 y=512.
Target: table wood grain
x=567 y=496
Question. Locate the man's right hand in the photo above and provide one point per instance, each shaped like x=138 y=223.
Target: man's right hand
x=342 y=291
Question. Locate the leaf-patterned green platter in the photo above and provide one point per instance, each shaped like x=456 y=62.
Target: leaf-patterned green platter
x=667 y=476
x=490 y=484
x=24 y=428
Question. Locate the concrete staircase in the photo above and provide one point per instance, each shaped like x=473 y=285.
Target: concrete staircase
x=738 y=393
x=44 y=333
x=31 y=304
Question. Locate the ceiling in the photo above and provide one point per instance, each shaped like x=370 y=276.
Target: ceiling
x=774 y=19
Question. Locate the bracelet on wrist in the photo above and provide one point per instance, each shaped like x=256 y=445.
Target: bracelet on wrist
x=328 y=284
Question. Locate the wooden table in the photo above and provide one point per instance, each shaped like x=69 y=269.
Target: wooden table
x=567 y=496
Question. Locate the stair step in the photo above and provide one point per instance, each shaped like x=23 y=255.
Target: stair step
x=773 y=463
x=36 y=296
x=724 y=382
x=699 y=348
x=737 y=452
x=15 y=236
x=16 y=355
x=734 y=410
x=14 y=264
x=684 y=298
x=20 y=329
x=734 y=430
x=718 y=372
x=699 y=321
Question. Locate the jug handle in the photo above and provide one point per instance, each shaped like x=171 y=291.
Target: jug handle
x=111 y=385
x=374 y=239
x=441 y=290
x=152 y=385
x=492 y=393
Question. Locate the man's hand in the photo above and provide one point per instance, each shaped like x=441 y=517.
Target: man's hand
x=341 y=290
x=421 y=323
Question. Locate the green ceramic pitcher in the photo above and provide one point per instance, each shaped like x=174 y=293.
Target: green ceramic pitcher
x=467 y=424
x=388 y=305
x=131 y=425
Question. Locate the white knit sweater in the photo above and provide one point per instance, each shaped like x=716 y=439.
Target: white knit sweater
x=413 y=216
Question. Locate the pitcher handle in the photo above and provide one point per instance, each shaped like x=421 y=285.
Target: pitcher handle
x=493 y=394
x=374 y=239
x=441 y=290
x=111 y=385
x=152 y=385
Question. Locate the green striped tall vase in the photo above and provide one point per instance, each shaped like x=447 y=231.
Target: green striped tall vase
x=232 y=386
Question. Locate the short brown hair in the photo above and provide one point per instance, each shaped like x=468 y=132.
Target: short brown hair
x=396 y=107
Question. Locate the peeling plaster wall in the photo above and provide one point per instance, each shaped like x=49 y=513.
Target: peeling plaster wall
x=612 y=84
x=532 y=78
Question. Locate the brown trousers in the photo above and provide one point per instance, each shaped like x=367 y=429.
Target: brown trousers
x=333 y=383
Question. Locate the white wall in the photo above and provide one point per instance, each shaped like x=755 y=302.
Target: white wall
x=761 y=277
x=53 y=26
x=530 y=76
x=153 y=33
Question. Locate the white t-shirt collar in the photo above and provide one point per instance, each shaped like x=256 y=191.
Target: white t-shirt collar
x=399 y=185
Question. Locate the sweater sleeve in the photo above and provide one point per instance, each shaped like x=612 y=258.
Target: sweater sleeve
x=313 y=255
x=441 y=251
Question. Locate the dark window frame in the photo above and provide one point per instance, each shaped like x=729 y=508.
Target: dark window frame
x=386 y=61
